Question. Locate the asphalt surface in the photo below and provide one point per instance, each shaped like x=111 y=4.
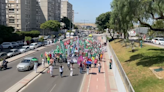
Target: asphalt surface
x=67 y=83
x=11 y=76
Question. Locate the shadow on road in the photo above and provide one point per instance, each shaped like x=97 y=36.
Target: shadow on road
x=93 y=73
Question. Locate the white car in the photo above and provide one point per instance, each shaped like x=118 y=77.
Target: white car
x=20 y=43
x=159 y=41
x=33 y=45
x=13 y=52
x=67 y=35
x=24 y=49
x=7 y=45
x=15 y=44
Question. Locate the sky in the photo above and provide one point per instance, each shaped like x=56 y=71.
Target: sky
x=89 y=9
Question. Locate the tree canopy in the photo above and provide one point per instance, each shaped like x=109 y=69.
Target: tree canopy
x=67 y=22
x=51 y=24
x=102 y=20
x=139 y=11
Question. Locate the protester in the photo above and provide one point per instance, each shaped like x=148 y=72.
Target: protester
x=110 y=64
x=68 y=64
x=95 y=62
x=99 y=67
x=81 y=66
x=51 y=70
x=43 y=63
x=87 y=69
x=35 y=66
x=71 y=70
x=61 y=70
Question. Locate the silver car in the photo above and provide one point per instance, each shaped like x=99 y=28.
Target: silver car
x=13 y=52
x=26 y=64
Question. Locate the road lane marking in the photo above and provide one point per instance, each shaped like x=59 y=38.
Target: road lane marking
x=53 y=88
x=32 y=81
x=97 y=79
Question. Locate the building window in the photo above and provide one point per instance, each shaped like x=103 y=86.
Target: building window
x=17 y=25
x=11 y=21
x=11 y=10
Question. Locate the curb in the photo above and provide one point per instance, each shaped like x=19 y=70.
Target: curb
x=12 y=88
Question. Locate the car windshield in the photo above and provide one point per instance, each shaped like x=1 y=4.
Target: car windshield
x=31 y=44
x=23 y=47
x=161 y=39
x=10 y=51
x=25 y=61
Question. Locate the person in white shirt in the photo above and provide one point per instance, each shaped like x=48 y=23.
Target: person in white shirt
x=71 y=70
x=43 y=63
x=61 y=70
x=51 y=70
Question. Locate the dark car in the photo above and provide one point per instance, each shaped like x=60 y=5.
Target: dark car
x=1 y=48
x=3 y=55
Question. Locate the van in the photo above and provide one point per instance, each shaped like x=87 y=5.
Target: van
x=67 y=35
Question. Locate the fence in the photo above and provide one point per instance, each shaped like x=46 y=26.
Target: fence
x=122 y=81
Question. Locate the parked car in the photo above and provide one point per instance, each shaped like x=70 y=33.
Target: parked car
x=40 y=44
x=13 y=52
x=61 y=38
x=15 y=44
x=7 y=45
x=33 y=45
x=24 y=49
x=21 y=43
x=159 y=41
x=1 y=48
x=3 y=55
x=26 y=64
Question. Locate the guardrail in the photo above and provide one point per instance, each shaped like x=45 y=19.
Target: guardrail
x=121 y=71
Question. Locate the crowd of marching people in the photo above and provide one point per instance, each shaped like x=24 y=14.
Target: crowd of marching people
x=86 y=52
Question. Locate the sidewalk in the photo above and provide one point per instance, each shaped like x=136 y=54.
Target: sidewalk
x=100 y=82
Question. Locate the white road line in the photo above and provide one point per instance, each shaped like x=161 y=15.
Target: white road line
x=53 y=88
x=97 y=87
x=89 y=82
x=97 y=79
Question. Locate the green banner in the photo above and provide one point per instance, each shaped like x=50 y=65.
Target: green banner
x=63 y=48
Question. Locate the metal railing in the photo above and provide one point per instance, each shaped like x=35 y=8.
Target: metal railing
x=123 y=75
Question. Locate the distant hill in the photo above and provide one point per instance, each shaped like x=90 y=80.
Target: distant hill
x=86 y=24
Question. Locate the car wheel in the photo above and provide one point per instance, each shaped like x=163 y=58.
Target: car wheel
x=9 y=47
x=159 y=43
x=29 y=68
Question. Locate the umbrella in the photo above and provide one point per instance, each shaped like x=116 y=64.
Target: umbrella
x=88 y=62
x=34 y=59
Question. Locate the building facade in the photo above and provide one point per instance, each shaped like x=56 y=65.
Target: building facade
x=66 y=9
x=19 y=14
x=2 y=12
x=27 y=15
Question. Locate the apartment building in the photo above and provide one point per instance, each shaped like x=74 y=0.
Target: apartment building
x=47 y=10
x=27 y=15
x=66 y=9
x=2 y=12
x=19 y=14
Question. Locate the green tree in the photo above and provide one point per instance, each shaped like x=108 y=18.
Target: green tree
x=102 y=20
x=52 y=25
x=141 y=11
x=67 y=22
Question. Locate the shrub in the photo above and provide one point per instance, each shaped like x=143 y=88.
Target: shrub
x=60 y=34
x=41 y=39
x=27 y=38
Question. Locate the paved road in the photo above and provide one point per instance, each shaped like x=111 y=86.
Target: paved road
x=11 y=76
x=45 y=83
x=156 y=45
